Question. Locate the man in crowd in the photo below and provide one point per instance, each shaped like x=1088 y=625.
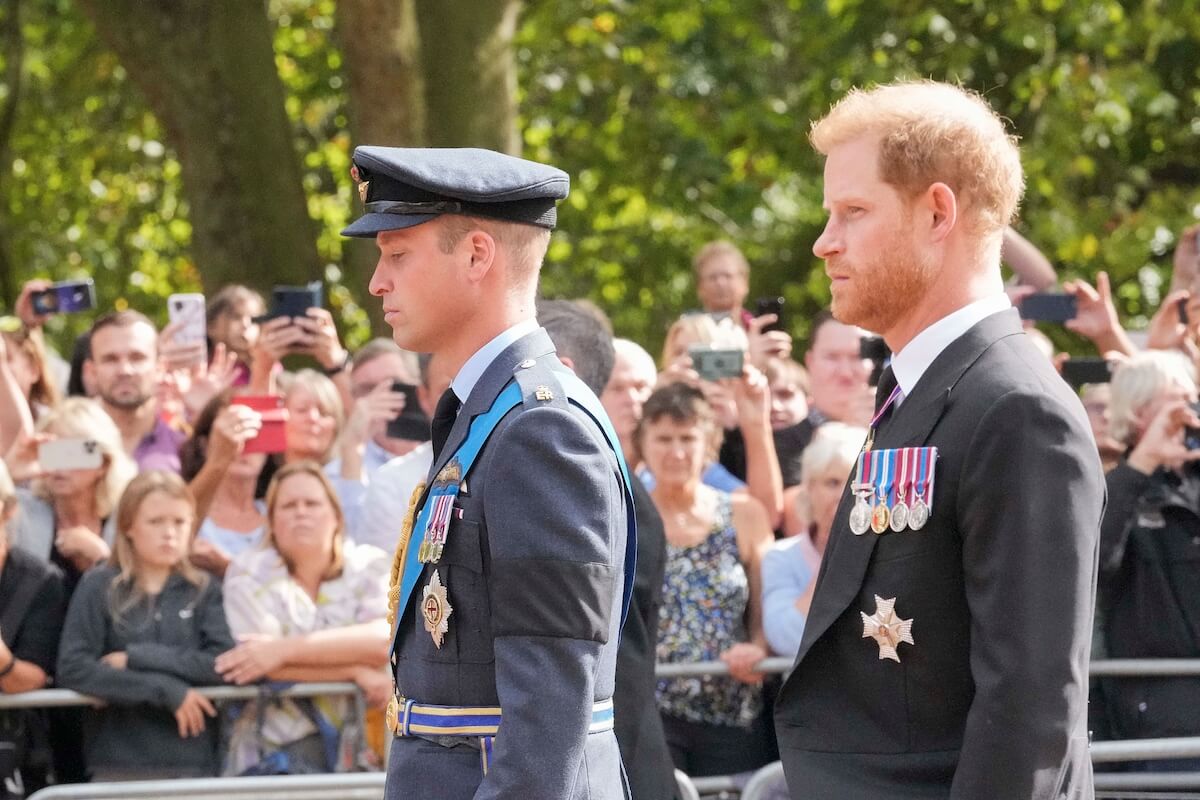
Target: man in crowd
x=584 y=344
x=374 y=369
x=386 y=500
x=633 y=377
x=519 y=542
x=123 y=366
x=945 y=653
x=722 y=280
x=838 y=374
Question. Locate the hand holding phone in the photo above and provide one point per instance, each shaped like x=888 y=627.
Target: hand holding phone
x=411 y=423
x=272 y=435
x=294 y=301
x=770 y=305
x=1049 y=307
x=65 y=297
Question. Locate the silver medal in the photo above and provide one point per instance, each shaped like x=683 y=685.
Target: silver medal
x=899 y=516
x=918 y=515
x=860 y=516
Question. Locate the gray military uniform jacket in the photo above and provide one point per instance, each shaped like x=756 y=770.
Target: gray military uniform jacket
x=533 y=565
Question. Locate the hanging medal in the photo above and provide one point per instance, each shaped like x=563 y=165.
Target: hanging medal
x=881 y=514
x=900 y=502
x=442 y=496
x=918 y=515
x=860 y=514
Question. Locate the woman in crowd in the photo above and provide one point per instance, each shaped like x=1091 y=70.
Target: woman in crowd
x=31 y=616
x=230 y=319
x=66 y=516
x=142 y=631
x=753 y=438
x=1149 y=548
x=789 y=569
x=711 y=591
x=308 y=606
x=224 y=478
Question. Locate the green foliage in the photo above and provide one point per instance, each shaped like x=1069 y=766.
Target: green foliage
x=679 y=123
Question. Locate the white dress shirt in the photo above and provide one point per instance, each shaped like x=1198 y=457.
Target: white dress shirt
x=477 y=364
x=912 y=362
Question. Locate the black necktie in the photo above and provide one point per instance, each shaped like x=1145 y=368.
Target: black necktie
x=887 y=385
x=443 y=420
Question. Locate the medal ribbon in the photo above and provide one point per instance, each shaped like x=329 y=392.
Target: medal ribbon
x=874 y=475
x=883 y=409
x=900 y=494
x=886 y=475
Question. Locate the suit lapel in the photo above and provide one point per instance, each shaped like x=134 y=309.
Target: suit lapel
x=532 y=346
x=846 y=555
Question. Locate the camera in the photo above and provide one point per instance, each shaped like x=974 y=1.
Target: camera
x=715 y=365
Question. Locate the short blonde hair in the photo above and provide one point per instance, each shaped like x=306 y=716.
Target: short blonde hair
x=930 y=132
x=833 y=443
x=325 y=392
x=702 y=329
x=83 y=418
x=525 y=245
x=1136 y=382
x=720 y=248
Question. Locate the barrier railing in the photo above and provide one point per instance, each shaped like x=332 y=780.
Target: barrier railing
x=367 y=785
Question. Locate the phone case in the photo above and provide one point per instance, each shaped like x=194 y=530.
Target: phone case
x=190 y=309
x=272 y=437
x=69 y=454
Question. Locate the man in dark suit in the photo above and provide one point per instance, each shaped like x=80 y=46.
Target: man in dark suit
x=512 y=573
x=585 y=344
x=949 y=660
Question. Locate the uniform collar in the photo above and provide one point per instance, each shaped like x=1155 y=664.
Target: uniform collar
x=477 y=364
x=913 y=361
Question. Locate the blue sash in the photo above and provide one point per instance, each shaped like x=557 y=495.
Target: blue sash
x=480 y=431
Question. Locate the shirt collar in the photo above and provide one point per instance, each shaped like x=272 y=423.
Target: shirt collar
x=477 y=364
x=912 y=362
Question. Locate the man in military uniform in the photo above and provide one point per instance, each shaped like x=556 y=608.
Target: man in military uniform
x=946 y=651
x=514 y=564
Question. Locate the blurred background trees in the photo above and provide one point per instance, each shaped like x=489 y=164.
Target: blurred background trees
x=152 y=146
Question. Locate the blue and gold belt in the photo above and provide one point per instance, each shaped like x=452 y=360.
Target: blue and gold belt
x=407 y=717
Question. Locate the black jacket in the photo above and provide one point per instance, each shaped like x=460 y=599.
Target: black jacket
x=171 y=641
x=1150 y=591
x=990 y=702
x=639 y=727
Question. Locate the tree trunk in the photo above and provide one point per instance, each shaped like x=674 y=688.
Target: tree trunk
x=470 y=73
x=381 y=52
x=14 y=56
x=208 y=72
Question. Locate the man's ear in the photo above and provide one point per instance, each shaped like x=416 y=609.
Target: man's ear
x=567 y=362
x=89 y=371
x=482 y=251
x=943 y=206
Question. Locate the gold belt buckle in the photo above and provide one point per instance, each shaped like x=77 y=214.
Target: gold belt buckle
x=394 y=707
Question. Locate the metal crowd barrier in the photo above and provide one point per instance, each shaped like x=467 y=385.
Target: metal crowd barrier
x=354 y=786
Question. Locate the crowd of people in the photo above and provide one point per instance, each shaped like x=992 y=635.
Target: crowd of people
x=192 y=514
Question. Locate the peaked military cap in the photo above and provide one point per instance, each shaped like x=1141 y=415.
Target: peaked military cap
x=404 y=186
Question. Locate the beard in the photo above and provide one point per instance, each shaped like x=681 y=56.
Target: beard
x=885 y=287
x=128 y=397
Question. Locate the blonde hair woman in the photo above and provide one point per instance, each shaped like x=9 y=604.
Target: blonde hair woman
x=66 y=517
x=308 y=606
x=141 y=632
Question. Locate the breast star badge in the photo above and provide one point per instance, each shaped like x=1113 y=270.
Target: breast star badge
x=887 y=629
x=435 y=608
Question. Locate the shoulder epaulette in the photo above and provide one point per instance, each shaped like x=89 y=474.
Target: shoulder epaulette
x=539 y=385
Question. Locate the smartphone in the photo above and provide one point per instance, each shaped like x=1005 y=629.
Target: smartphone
x=873 y=348
x=65 y=297
x=411 y=423
x=70 y=454
x=189 y=309
x=1049 y=307
x=294 y=301
x=770 y=305
x=1091 y=369
x=1191 y=436
x=272 y=437
x=1183 y=315
x=715 y=365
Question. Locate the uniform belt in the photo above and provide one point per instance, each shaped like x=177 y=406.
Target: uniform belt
x=409 y=718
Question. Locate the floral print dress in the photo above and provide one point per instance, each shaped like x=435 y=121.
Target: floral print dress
x=705 y=594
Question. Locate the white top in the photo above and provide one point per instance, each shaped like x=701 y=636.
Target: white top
x=386 y=502
x=912 y=362
x=477 y=364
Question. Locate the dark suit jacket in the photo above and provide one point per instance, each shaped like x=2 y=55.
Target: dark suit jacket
x=639 y=727
x=534 y=573
x=990 y=701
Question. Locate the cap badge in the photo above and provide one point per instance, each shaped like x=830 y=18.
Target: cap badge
x=887 y=629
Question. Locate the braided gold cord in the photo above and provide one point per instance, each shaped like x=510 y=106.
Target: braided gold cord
x=406 y=532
